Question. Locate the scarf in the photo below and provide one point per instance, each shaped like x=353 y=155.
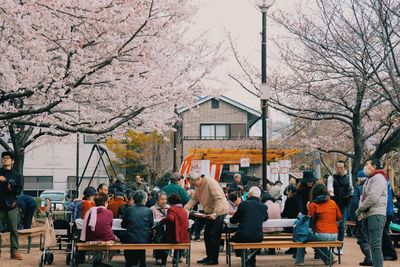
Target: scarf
x=92 y=213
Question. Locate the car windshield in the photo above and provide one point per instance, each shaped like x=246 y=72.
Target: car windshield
x=54 y=196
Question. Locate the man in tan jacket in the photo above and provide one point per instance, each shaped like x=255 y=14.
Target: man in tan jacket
x=211 y=196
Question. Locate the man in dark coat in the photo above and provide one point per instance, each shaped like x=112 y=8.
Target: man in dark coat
x=138 y=221
x=251 y=215
x=10 y=187
x=340 y=190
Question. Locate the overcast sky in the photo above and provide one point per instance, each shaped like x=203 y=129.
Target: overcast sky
x=242 y=20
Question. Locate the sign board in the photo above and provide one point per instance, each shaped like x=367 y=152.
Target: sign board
x=244 y=162
x=284 y=170
x=234 y=168
x=201 y=166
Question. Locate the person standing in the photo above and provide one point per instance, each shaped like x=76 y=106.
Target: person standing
x=174 y=188
x=139 y=185
x=373 y=208
x=388 y=250
x=250 y=216
x=10 y=187
x=211 y=196
x=120 y=185
x=28 y=206
x=361 y=236
x=340 y=190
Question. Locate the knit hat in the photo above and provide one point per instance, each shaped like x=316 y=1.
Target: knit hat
x=308 y=177
x=89 y=191
x=120 y=177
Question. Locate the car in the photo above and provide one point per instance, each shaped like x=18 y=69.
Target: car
x=59 y=198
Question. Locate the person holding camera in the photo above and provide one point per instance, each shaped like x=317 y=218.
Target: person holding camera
x=10 y=187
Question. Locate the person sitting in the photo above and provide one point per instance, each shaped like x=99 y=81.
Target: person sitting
x=274 y=212
x=160 y=212
x=123 y=208
x=290 y=210
x=325 y=214
x=98 y=221
x=234 y=201
x=116 y=204
x=160 y=208
x=88 y=200
x=177 y=224
x=138 y=221
x=251 y=215
x=236 y=186
x=97 y=225
x=152 y=198
x=76 y=205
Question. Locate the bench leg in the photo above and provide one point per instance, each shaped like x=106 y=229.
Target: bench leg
x=29 y=243
x=188 y=257
x=243 y=258
x=339 y=257
x=227 y=245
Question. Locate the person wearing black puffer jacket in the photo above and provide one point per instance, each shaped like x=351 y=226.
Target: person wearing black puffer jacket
x=251 y=215
x=10 y=187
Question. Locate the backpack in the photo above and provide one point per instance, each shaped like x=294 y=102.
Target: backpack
x=301 y=228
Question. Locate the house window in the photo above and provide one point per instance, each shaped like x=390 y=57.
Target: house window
x=35 y=185
x=214 y=104
x=238 y=131
x=222 y=132
x=215 y=131
x=207 y=132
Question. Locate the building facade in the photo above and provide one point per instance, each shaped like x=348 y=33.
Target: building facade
x=219 y=123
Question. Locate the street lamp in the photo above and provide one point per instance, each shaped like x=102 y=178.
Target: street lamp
x=264 y=5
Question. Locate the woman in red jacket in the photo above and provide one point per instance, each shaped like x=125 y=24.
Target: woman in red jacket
x=177 y=224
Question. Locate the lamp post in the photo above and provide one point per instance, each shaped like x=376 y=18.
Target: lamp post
x=264 y=5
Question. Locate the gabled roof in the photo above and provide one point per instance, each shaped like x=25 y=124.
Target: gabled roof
x=221 y=98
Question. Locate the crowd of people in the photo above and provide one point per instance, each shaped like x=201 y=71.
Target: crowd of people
x=162 y=214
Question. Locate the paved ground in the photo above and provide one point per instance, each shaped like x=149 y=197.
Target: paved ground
x=351 y=257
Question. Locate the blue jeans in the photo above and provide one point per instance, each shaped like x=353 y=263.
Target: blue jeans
x=324 y=253
x=342 y=225
x=373 y=227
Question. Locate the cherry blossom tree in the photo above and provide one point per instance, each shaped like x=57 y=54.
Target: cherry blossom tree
x=92 y=66
x=339 y=71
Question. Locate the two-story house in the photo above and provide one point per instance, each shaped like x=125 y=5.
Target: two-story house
x=219 y=123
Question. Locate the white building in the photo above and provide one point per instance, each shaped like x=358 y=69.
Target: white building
x=53 y=166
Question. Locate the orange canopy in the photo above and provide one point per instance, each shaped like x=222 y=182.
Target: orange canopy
x=233 y=156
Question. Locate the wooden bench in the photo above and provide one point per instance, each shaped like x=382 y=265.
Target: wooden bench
x=104 y=246
x=282 y=244
x=29 y=233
